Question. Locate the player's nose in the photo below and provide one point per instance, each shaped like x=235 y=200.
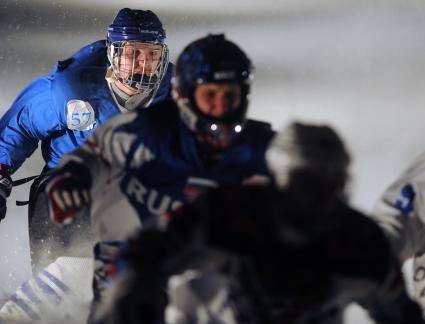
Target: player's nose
x=144 y=64
x=222 y=104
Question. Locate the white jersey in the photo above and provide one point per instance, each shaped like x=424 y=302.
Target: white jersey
x=401 y=213
x=145 y=164
x=60 y=293
x=104 y=154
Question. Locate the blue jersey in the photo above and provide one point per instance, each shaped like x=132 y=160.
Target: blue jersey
x=155 y=161
x=144 y=164
x=61 y=110
x=149 y=162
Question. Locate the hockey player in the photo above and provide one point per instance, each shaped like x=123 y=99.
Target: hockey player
x=257 y=254
x=138 y=166
x=126 y=72
x=401 y=213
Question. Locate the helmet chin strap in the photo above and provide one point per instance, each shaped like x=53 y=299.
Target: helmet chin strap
x=141 y=100
x=128 y=102
x=209 y=154
x=138 y=85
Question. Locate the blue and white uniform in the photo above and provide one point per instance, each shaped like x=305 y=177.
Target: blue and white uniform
x=55 y=295
x=147 y=163
x=401 y=213
x=61 y=110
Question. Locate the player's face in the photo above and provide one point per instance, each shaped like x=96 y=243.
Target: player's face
x=138 y=58
x=216 y=99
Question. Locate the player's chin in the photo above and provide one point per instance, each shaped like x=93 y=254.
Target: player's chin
x=131 y=90
x=219 y=144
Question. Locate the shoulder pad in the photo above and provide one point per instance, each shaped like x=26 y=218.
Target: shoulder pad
x=62 y=65
x=94 y=54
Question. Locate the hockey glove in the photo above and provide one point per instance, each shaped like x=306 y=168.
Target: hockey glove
x=67 y=193
x=5 y=190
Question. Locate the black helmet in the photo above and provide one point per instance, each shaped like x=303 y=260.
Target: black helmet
x=309 y=155
x=212 y=59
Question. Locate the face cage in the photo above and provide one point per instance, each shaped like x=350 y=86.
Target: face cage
x=220 y=135
x=138 y=80
x=215 y=135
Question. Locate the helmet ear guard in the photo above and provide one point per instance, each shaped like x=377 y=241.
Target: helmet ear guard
x=212 y=59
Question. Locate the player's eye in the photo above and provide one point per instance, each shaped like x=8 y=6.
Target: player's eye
x=230 y=96
x=128 y=50
x=209 y=95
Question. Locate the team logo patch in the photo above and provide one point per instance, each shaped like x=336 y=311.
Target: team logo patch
x=80 y=115
x=405 y=201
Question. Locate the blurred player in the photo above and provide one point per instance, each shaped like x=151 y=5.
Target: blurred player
x=258 y=254
x=401 y=213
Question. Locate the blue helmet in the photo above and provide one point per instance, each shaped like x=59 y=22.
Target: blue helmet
x=137 y=53
x=212 y=59
x=140 y=25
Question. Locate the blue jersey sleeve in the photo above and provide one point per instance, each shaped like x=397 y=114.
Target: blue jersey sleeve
x=32 y=117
